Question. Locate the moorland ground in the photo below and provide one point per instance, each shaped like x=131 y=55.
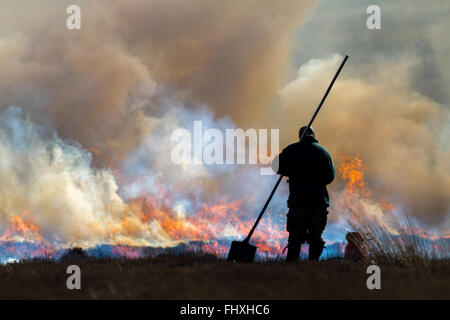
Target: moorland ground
x=203 y=276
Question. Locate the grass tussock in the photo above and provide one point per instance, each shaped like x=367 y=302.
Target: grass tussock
x=399 y=240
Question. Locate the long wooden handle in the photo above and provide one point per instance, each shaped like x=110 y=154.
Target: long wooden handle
x=301 y=137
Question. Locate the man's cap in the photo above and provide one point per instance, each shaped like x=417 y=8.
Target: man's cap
x=310 y=131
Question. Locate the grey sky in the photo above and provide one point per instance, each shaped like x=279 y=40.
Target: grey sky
x=410 y=28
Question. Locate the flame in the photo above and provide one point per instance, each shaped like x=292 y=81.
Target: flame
x=211 y=226
x=352 y=171
x=220 y=220
x=367 y=214
x=356 y=200
x=23 y=239
x=23 y=226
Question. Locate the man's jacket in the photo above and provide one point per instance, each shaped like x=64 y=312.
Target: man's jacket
x=309 y=168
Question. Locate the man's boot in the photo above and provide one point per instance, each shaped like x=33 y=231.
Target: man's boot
x=293 y=252
x=315 y=249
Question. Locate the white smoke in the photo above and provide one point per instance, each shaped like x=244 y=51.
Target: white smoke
x=54 y=181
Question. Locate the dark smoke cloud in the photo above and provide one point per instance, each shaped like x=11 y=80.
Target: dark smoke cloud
x=230 y=57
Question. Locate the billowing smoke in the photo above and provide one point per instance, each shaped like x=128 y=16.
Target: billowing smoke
x=102 y=76
x=87 y=150
x=391 y=105
x=393 y=128
x=50 y=184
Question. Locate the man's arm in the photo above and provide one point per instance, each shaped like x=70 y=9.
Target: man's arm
x=279 y=164
x=328 y=167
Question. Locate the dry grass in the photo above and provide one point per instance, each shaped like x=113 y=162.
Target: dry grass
x=396 y=241
x=200 y=276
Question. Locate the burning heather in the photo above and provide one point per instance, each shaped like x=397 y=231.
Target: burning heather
x=131 y=221
x=86 y=119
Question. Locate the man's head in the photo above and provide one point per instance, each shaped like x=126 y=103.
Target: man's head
x=309 y=132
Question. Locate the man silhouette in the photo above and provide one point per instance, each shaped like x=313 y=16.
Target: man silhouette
x=310 y=168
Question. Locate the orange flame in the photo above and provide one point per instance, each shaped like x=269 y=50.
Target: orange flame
x=352 y=170
x=211 y=221
x=24 y=226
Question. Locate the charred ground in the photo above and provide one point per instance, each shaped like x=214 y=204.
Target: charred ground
x=204 y=276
